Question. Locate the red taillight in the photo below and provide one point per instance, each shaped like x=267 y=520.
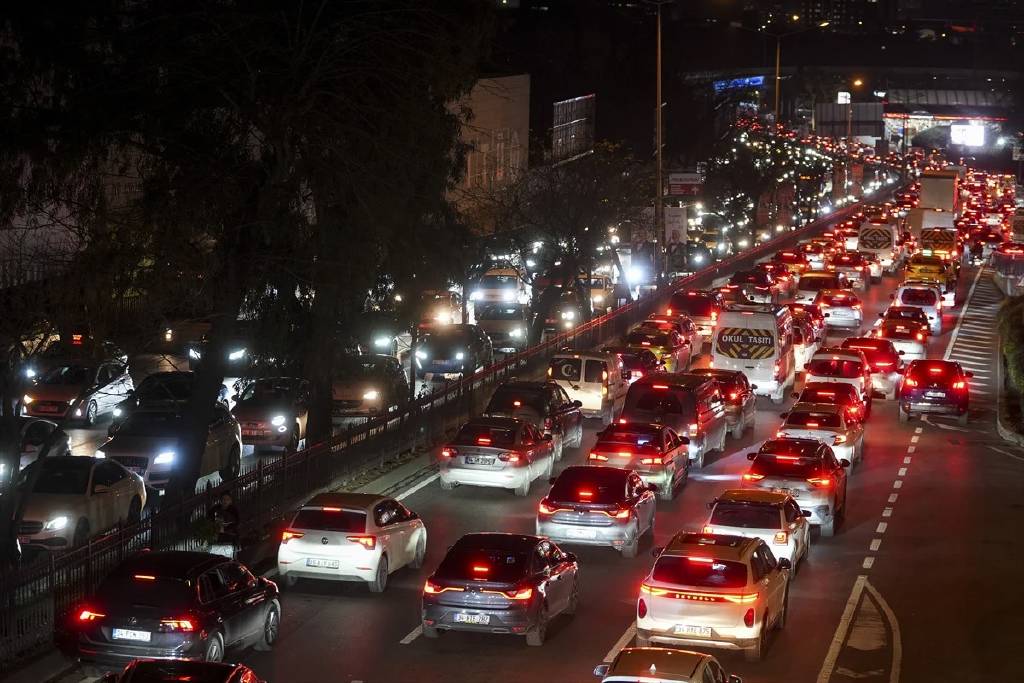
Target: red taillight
x=509 y=457
x=181 y=625
x=598 y=457
x=668 y=311
x=883 y=365
x=750 y=476
x=714 y=316
x=641 y=608
x=89 y=615
x=449 y=452
x=733 y=395
x=545 y=509
x=368 y=542
x=431 y=588
x=519 y=594
x=288 y=535
x=820 y=482
x=620 y=514
x=960 y=384
x=748 y=618
x=910 y=382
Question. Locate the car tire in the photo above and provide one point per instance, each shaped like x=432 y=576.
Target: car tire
x=536 y=635
x=421 y=552
x=632 y=549
x=904 y=416
x=642 y=641
x=234 y=465
x=523 y=489
x=430 y=632
x=780 y=623
x=214 y=650
x=738 y=429
x=81 y=536
x=447 y=485
x=289 y=581
x=380 y=581
x=271 y=628
x=756 y=653
x=574 y=599
x=962 y=419
x=134 y=511
x=91 y=413
x=559 y=447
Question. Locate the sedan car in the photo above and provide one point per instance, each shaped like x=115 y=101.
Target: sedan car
x=885 y=361
x=360 y=537
x=935 y=387
x=759 y=286
x=35 y=436
x=842 y=366
x=173 y=605
x=845 y=396
x=775 y=518
x=655 y=452
x=662 y=665
x=605 y=506
x=740 y=400
x=841 y=308
x=501 y=583
x=452 y=352
x=810 y=284
x=497 y=452
x=273 y=412
x=826 y=423
x=546 y=406
x=910 y=339
x=172 y=671
x=806 y=469
x=367 y=386
x=78 y=392
x=162 y=391
x=148 y=443
x=714 y=591
x=69 y=498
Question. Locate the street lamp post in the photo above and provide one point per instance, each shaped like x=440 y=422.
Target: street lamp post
x=659 y=189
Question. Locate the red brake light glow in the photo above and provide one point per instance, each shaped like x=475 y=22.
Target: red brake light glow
x=598 y=457
x=750 y=476
x=144 y=577
x=288 y=535
x=484 y=441
x=368 y=542
x=820 y=482
x=183 y=625
x=89 y=615
x=583 y=493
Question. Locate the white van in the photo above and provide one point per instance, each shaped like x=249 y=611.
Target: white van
x=757 y=341
x=597 y=379
x=880 y=239
x=501 y=285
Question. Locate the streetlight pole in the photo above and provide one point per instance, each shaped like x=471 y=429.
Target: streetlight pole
x=659 y=190
x=778 y=75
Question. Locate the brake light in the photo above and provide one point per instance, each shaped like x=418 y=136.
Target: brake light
x=509 y=457
x=144 y=577
x=519 y=594
x=935 y=370
x=750 y=476
x=431 y=588
x=959 y=384
x=182 y=625
x=733 y=395
x=812 y=425
x=779 y=434
x=331 y=509
x=545 y=509
x=659 y=386
x=368 y=542
x=484 y=441
x=583 y=493
x=89 y=615
x=668 y=311
x=820 y=482
x=622 y=513
x=288 y=535
x=910 y=382
x=598 y=457
x=604 y=375
x=707 y=529
x=883 y=365
x=699 y=596
x=781 y=538
x=449 y=452
x=920 y=336
x=748 y=618
x=641 y=608
x=840 y=439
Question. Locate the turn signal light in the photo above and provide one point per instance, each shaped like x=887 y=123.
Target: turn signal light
x=959 y=384
x=368 y=542
x=750 y=476
x=840 y=439
x=288 y=535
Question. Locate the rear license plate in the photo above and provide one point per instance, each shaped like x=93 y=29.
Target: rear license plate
x=325 y=564
x=127 y=634
x=463 y=618
x=935 y=394
x=47 y=409
x=470 y=460
x=687 y=630
x=576 y=532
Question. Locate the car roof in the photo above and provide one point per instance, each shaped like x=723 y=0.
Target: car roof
x=805 y=448
x=345 y=499
x=831 y=386
x=725 y=546
x=657 y=662
x=497 y=541
x=843 y=354
x=602 y=354
x=676 y=380
x=180 y=564
x=756 y=496
x=498 y=422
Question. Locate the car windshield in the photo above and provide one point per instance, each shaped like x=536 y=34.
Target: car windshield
x=333 y=519
x=699 y=571
x=813 y=284
x=635 y=436
x=68 y=375
x=565 y=369
x=498 y=281
x=359 y=367
x=918 y=297
x=791 y=466
x=843 y=369
x=269 y=391
x=931 y=371
x=601 y=485
x=701 y=306
x=60 y=475
x=648 y=337
x=484 y=564
x=485 y=435
x=172 y=388
x=498 y=312
x=151 y=424
x=149 y=591
x=813 y=420
x=509 y=399
x=746 y=515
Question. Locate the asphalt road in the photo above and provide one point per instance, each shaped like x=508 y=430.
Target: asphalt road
x=918 y=584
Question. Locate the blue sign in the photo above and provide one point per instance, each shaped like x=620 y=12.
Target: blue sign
x=736 y=83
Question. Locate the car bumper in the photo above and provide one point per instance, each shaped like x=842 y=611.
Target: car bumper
x=885 y=383
x=502 y=479
x=295 y=565
x=614 y=535
x=851 y=323
x=191 y=649
x=49 y=540
x=516 y=620
x=663 y=632
x=932 y=408
x=767 y=387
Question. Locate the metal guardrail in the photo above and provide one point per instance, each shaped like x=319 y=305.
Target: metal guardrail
x=35 y=598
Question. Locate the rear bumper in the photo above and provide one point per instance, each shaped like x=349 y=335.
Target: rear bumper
x=503 y=479
x=662 y=631
x=886 y=382
x=921 y=406
x=191 y=649
x=614 y=535
x=295 y=566
x=516 y=620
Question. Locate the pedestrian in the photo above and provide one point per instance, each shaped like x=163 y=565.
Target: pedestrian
x=225 y=514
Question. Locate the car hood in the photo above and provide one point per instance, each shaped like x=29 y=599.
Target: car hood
x=55 y=392
x=123 y=444
x=352 y=391
x=42 y=506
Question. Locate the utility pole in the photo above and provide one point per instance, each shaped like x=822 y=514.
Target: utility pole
x=659 y=198
x=778 y=75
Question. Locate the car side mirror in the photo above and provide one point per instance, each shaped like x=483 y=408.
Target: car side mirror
x=100 y=489
x=784 y=563
x=902 y=353
x=844 y=463
x=657 y=550
x=578 y=404
x=130 y=393
x=751 y=456
x=601 y=670
x=825 y=315
x=804 y=368
x=570 y=557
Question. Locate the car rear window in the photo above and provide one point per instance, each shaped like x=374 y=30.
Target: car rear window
x=746 y=516
x=485 y=435
x=627 y=435
x=840 y=299
x=697 y=305
x=484 y=564
x=874 y=353
x=813 y=284
x=153 y=591
x=651 y=400
x=749 y=277
x=565 y=369
x=813 y=420
x=843 y=369
x=348 y=521
x=510 y=400
x=602 y=485
x=595 y=371
x=918 y=297
x=931 y=371
x=698 y=571
x=648 y=337
x=792 y=466
x=829 y=395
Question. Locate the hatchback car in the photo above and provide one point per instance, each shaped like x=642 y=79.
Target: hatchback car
x=794 y=259
x=656 y=452
x=366 y=386
x=928 y=298
x=663 y=665
x=841 y=308
x=361 y=537
x=173 y=605
x=497 y=452
x=909 y=338
x=273 y=413
x=604 y=506
x=845 y=396
x=501 y=583
x=885 y=361
x=854 y=267
x=636 y=362
x=775 y=518
x=67 y=499
x=806 y=469
x=78 y=392
x=938 y=387
x=546 y=406
x=785 y=279
x=827 y=423
x=453 y=352
x=671 y=349
x=708 y=590
x=810 y=284
x=740 y=400
x=843 y=366
x=172 y=671
x=759 y=286
x=702 y=306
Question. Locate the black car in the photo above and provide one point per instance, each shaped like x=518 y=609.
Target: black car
x=452 y=352
x=543 y=404
x=173 y=605
x=935 y=387
x=172 y=671
x=161 y=391
x=501 y=583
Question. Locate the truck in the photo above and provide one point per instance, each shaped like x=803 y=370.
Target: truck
x=940 y=190
x=938 y=241
x=920 y=218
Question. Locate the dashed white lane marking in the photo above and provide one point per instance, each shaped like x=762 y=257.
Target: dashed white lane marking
x=880 y=529
x=918 y=430
x=911 y=449
x=960 y=315
x=898 y=484
x=902 y=472
x=620 y=643
x=875 y=544
x=413 y=635
x=906 y=460
x=840 y=635
x=893 y=497
x=915 y=439
x=413 y=489
x=868 y=562
x=887 y=512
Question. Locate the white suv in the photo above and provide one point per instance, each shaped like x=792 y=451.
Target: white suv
x=710 y=590
x=845 y=366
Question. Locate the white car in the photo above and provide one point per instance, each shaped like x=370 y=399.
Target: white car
x=73 y=498
x=847 y=366
x=662 y=665
x=78 y=391
x=910 y=339
x=775 y=518
x=885 y=360
x=501 y=285
x=827 y=423
x=810 y=284
x=926 y=297
x=359 y=537
x=712 y=591
x=498 y=452
x=841 y=308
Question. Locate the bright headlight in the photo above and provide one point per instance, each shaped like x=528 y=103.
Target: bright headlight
x=516 y=332
x=277 y=420
x=56 y=523
x=118 y=412
x=476 y=295
x=30 y=373
x=421 y=354
x=698 y=258
x=382 y=342
x=168 y=334
x=26 y=399
x=459 y=355
x=568 y=315
x=371 y=395
x=443 y=317
x=194 y=354
x=164 y=458
x=508 y=295
x=100 y=454
x=598 y=298
x=236 y=355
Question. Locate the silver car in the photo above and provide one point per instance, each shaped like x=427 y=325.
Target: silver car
x=605 y=506
x=841 y=308
x=497 y=452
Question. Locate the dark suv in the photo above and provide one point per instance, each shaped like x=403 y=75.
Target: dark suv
x=937 y=387
x=543 y=404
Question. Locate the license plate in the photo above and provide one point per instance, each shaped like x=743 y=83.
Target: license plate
x=252 y=432
x=687 y=630
x=325 y=564
x=47 y=409
x=470 y=460
x=574 y=532
x=776 y=489
x=935 y=394
x=127 y=634
x=463 y=618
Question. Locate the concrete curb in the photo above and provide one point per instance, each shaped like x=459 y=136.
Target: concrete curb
x=1006 y=432
x=51 y=667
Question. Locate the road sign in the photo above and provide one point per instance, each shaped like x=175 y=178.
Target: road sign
x=687 y=183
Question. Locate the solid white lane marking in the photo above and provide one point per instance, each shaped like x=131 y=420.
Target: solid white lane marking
x=1000 y=450
x=887 y=512
x=413 y=489
x=960 y=315
x=413 y=635
x=875 y=544
x=868 y=562
x=893 y=497
x=902 y=472
x=906 y=460
x=623 y=640
x=897 y=640
x=911 y=449
x=840 y=635
x=880 y=529
x=897 y=484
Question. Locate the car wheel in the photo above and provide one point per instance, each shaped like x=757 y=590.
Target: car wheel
x=380 y=581
x=632 y=548
x=421 y=552
x=91 y=412
x=81 y=533
x=536 y=635
x=290 y=581
x=430 y=632
x=214 y=648
x=962 y=420
x=234 y=465
x=271 y=626
x=642 y=641
x=756 y=653
x=134 y=511
x=780 y=623
x=904 y=416
x=574 y=599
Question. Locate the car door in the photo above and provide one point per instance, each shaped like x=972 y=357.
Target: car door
x=103 y=498
x=797 y=525
x=528 y=447
x=838 y=474
x=553 y=576
x=572 y=416
x=414 y=528
x=769 y=579
x=391 y=533
x=679 y=451
x=120 y=384
x=543 y=449
x=98 y=388
x=242 y=605
x=121 y=484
